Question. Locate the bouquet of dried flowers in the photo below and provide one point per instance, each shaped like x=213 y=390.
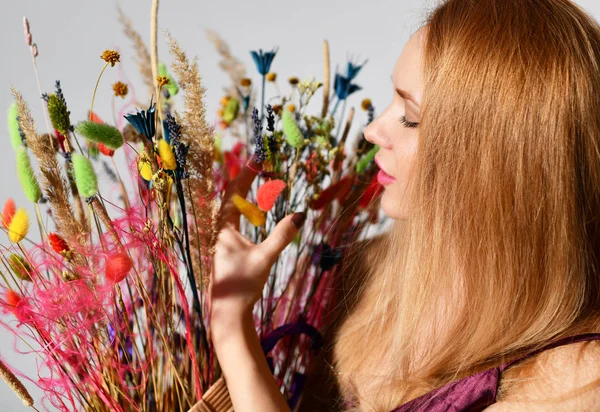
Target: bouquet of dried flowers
x=112 y=300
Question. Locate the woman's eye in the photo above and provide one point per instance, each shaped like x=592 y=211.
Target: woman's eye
x=406 y=123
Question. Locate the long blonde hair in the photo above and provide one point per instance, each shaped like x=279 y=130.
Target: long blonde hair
x=500 y=254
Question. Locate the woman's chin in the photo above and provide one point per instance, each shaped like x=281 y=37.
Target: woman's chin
x=390 y=206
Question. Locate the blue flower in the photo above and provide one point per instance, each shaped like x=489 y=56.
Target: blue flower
x=343 y=86
x=352 y=69
x=143 y=121
x=263 y=60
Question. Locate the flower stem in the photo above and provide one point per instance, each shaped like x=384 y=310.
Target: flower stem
x=95 y=90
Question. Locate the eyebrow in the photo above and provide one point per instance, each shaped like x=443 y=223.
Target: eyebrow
x=406 y=95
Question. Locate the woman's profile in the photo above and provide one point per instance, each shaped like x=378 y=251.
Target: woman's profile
x=486 y=291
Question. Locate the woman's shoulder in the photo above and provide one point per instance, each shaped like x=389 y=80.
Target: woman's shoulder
x=565 y=378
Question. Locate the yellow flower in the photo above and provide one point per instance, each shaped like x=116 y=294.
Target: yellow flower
x=291 y=107
x=366 y=104
x=111 y=56
x=271 y=77
x=249 y=210
x=246 y=82
x=225 y=100
x=162 y=81
x=166 y=154
x=19 y=225
x=145 y=169
x=120 y=89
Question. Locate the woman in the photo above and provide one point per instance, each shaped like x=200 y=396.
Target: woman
x=490 y=159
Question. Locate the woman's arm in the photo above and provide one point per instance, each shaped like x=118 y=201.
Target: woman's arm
x=240 y=270
x=249 y=380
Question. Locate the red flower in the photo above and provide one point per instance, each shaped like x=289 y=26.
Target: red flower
x=371 y=192
x=232 y=163
x=118 y=266
x=268 y=193
x=13 y=300
x=57 y=243
x=338 y=191
x=8 y=212
x=105 y=150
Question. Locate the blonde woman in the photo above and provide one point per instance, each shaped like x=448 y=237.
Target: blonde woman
x=486 y=293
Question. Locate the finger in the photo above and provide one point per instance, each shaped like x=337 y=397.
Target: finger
x=282 y=235
x=230 y=215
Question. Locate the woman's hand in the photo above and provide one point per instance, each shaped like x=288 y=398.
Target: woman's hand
x=240 y=267
x=240 y=270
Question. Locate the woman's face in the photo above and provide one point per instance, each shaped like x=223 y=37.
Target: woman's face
x=396 y=130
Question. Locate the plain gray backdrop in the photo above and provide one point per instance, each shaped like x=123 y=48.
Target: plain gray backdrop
x=71 y=35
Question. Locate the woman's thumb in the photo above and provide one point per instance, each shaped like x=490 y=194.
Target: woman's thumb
x=282 y=234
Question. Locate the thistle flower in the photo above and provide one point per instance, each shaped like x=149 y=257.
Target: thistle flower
x=103 y=133
x=277 y=109
x=263 y=60
x=366 y=104
x=85 y=176
x=292 y=132
x=166 y=155
x=111 y=56
x=120 y=89
x=171 y=86
x=259 y=148
x=20 y=267
x=268 y=193
x=19 y=226
x=143 y=121
x=29 y=182
x=118 y=266
x=59 y=115
x=8 y=212
x=251 y=212
x=271 y=77
x=162 y=81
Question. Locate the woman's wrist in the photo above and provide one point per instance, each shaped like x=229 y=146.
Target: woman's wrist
x=230 y=325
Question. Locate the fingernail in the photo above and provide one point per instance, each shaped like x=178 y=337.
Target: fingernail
x=298 y=219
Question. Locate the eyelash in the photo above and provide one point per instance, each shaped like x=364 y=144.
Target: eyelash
x=406 y=123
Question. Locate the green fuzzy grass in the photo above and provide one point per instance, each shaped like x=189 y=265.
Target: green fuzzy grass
x=85 y=176
x=103 y=133
x=59 y=115
x=366 y=160
x=13 y=126
x=292 y=132
x=29 y=182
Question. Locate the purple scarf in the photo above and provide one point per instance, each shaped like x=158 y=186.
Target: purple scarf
x=478 y=391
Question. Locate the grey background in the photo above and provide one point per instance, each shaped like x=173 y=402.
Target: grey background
x=71 y=34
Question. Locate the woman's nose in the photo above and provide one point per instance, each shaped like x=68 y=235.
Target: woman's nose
x=374 y=133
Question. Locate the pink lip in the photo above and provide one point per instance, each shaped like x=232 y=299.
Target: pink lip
x=382 y=177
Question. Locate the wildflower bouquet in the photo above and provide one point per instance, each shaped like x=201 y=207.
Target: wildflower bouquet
x=112 y=301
